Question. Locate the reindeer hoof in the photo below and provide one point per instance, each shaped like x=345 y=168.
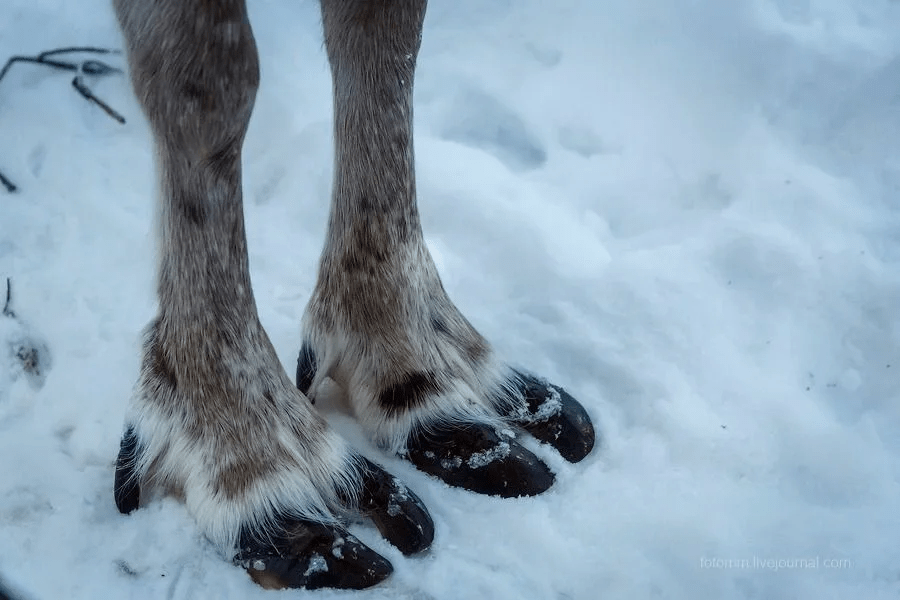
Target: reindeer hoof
x=476 y=458
x=397 y=512
x=310 y=555
x=126 y=490
x=552 y=416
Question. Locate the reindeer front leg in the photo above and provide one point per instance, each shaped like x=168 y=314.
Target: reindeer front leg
x=420 y=379
x=215 y=420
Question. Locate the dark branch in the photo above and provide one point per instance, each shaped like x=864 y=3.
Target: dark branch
x=56 y=64
x=7 y=308
x=71 y=49
x=85 y=67
x=89 y=95
x=9 y=185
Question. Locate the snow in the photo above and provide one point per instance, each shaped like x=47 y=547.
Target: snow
x=685 y=213
x=483 y=459
x=317 y=564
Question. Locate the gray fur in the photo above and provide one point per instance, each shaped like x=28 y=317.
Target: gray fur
x=218 y=421
x=379 y=314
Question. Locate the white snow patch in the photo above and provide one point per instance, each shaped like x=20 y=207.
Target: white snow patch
x=482 y=459
x=685 y=213
x=317 y=564
x=451 y=463
x=337 y=548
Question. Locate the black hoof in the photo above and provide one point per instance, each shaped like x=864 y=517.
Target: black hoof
x=552 y=416
x=474 y=457
x=399 y=514
x=311 y=555
x=306 y=368
x=126 y=490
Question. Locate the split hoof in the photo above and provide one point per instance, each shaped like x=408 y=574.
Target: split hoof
x=554 y=417
x=126 y=489
x=308 y=554
x=397 y=512
x=476 y=458
x=311 y=555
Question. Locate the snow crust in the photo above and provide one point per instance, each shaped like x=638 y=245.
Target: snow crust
x=685 y=213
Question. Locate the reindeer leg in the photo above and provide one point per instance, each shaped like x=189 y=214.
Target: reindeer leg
x=420 y=379
x=215 y=420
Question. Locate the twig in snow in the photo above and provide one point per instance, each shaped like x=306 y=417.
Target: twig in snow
x=85 y=67
x=7 y=308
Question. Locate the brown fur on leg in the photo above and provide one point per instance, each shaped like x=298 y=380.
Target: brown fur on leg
x=215 y=419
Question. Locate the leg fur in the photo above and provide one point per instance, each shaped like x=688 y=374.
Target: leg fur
x=212 y=400
x=379 y=322
x=418 y=376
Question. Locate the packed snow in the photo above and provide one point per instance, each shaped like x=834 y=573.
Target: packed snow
x=684 y=213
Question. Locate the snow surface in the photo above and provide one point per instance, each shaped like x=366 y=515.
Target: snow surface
x=684 y=212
